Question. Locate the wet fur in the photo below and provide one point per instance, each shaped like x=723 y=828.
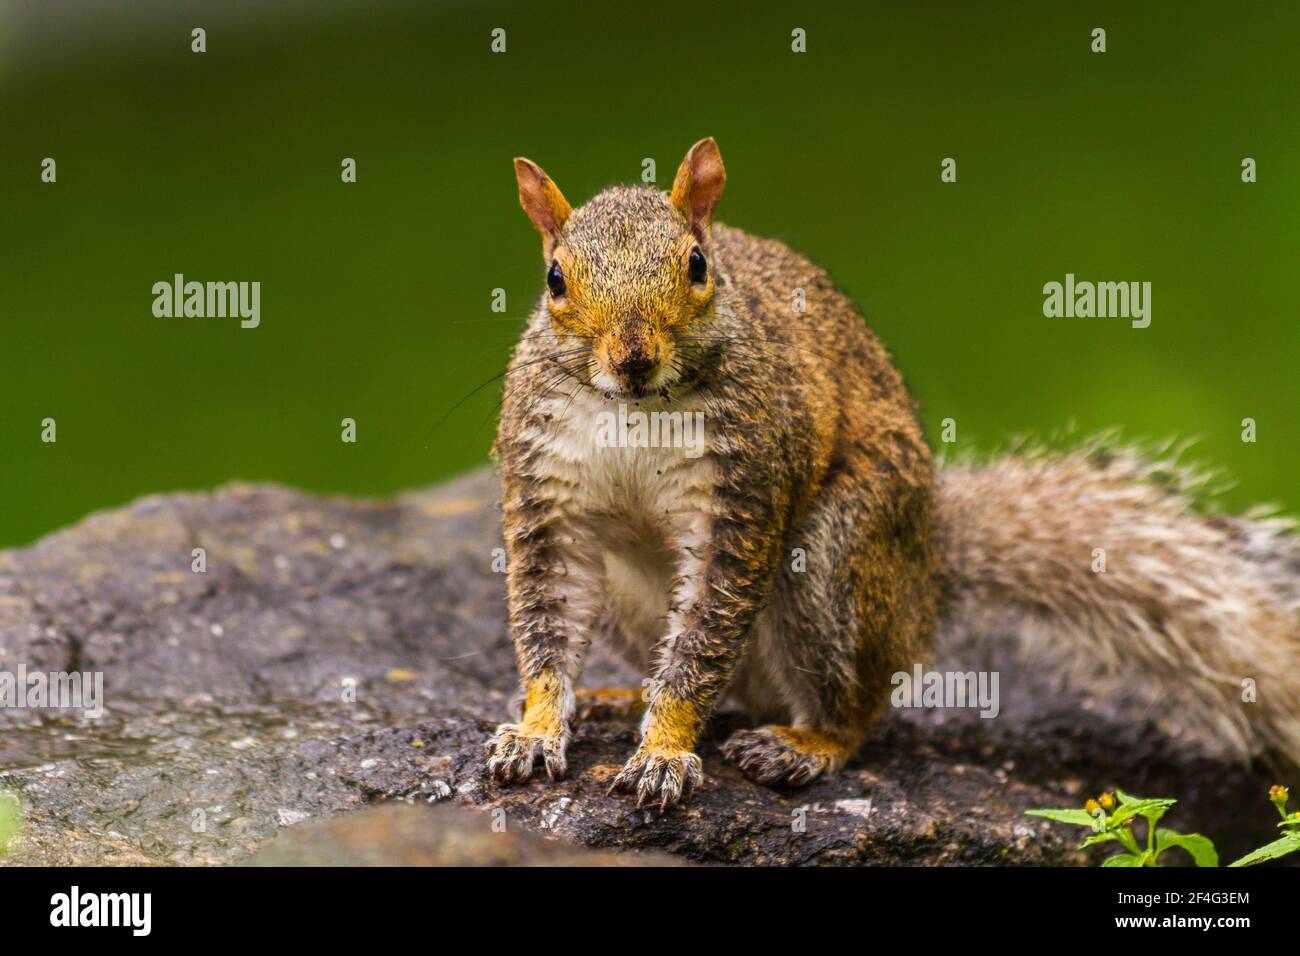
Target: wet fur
x=686 y=565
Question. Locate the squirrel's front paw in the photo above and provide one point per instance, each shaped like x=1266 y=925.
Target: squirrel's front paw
x=659 y=776
x=513 y=751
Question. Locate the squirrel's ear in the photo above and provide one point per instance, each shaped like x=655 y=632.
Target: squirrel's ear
x=542 y=200
x=698 y=185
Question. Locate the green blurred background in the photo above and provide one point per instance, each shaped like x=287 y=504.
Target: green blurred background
x=376 y=296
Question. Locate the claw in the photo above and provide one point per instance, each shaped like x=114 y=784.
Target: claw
x=659 y=778
x=512 y=754
x=785 y=756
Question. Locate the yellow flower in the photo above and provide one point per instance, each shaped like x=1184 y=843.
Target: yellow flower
x=1093 y=807
x=1278 y=796
x=1107 y=800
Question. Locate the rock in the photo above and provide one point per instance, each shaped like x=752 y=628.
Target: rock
x=395 y=834
x=338 y=653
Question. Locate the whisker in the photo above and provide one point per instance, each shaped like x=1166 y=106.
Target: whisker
x=504 y=372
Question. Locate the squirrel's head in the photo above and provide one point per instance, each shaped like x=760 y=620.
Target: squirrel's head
x=628 y=273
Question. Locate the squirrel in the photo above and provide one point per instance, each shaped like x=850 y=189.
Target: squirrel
x=811 y=441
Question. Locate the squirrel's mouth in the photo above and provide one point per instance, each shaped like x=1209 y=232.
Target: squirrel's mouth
x=634 y=393
x=677 y=372
x=636 y=383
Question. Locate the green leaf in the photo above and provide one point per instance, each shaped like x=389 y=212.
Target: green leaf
x=1124 y=859
x=1125 y=836
x=1081 y=818
x=1270 y=851
x=1153 y=816
x=1094 y=838
x=1151 y=809
x=1201 y=848
x=1124 y=798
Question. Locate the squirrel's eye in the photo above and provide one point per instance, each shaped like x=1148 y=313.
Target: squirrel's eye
x=697 y=268
x=555 y=280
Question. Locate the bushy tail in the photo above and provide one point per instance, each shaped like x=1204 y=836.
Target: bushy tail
x=1098 y=557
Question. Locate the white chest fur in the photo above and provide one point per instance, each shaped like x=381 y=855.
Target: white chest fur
x=643 y=462
x=639 y=491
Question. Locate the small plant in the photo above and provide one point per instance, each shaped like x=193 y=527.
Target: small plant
x=1289 y=842
x=1109 y=823
x=8 y=820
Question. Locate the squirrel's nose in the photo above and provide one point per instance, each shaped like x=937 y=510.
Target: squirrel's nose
x=636 y=366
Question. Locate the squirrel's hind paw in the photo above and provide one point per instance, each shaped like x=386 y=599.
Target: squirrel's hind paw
x=784 y=756
x=610 y=703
